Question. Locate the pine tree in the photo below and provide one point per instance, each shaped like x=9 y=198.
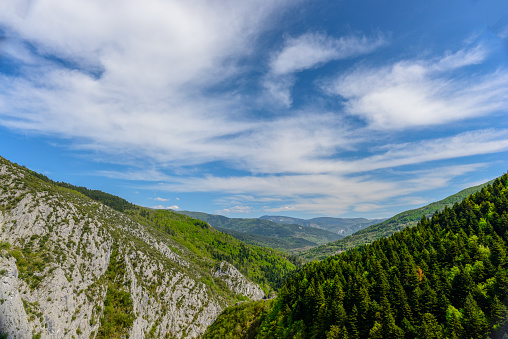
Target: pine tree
x=474 y=321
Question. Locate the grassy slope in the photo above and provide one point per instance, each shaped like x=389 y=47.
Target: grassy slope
x=295 y=237
x=387 y=227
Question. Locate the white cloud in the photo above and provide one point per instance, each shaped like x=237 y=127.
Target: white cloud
x=309 y=51
x=280 y=209
x=160 y=207
x=235 y=209
x=141 y=71
x=160 y=199
x=421 y=93
x=325 y=193
x=314 y=49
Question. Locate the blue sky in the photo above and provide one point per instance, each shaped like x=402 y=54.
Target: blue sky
x=246 y=108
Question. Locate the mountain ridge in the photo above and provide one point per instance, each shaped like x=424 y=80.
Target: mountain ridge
x=342 y=226
x=289 y=236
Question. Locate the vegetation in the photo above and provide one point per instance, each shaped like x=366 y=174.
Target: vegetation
x=118 y=315
x=387 y=227
x=191 y=250
x=294 y=237
x=288 y=245
x=240 y=321
x=264 y=266
x=445 y=278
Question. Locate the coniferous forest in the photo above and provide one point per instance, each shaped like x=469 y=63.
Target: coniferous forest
x=445 y=278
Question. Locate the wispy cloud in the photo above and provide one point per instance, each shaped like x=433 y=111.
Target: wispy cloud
x=314 y=49
x=309 y=51
x=422 y=92
x=160 y=199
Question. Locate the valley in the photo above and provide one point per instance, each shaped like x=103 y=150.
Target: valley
x=79 y=263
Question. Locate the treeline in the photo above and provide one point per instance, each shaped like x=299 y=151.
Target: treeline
x=107 y=199
x=445 y=278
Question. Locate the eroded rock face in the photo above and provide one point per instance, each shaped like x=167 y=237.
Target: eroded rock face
x=67 y=242
x=237 y=282
x=13 y=318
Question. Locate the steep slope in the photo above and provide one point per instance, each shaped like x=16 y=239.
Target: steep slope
x=73 y=267
x=387 y=227
x=295 y=237
x=445 y=278
x=342 y=226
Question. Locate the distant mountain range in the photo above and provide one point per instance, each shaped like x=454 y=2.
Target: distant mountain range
x=342 y=226
x=291 y=238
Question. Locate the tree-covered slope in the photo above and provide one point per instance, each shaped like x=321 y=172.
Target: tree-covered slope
x=387 y=227
x=295 y=237
x=288 y=245
x=445 y=278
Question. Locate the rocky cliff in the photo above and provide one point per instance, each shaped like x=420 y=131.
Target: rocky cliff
x=72 y=267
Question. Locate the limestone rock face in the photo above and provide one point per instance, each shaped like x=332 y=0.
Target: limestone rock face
x=237 y=282
x=13 y=318
x=54 y=275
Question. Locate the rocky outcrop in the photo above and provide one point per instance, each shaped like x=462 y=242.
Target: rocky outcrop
x=56 y=272
x=237 y=282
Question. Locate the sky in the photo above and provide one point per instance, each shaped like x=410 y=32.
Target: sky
x=247 y=108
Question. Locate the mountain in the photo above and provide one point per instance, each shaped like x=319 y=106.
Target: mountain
x=73 y=265
x=286 y=237
x=447 y=277
x=387 y=227
x=342 y=226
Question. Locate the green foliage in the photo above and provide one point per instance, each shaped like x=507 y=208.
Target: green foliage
x=241 y=321
x=286 y=244
x=31 y=264
x=264 y=266
x=440 y=279
x=118 y=315
x=386 y=228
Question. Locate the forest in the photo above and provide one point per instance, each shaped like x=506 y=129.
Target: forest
x=447 y=277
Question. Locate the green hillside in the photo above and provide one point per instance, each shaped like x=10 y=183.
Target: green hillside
x=387 y=227
x=445 y=278
x=288 y=245
x=286 y=237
